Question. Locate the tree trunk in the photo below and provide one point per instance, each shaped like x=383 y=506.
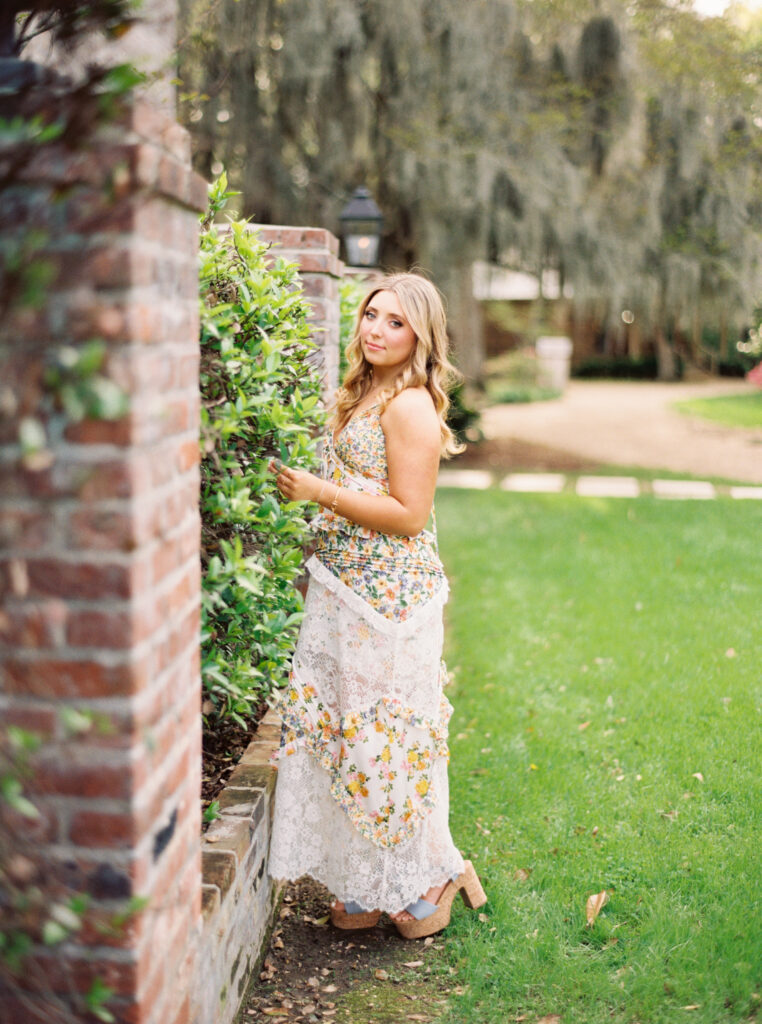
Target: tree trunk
x=666 y=360
x=465 y=322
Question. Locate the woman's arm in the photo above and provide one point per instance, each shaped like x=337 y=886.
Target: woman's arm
x=411 y=428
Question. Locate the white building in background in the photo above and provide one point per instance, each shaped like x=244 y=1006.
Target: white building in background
x=498 y=284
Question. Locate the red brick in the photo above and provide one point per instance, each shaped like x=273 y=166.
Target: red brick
x=34 y=625
x=118 y=479
x=91 y=780
x=40 y=719
x=55 y=577
x=24 y=529
x=66 y=973
x=118 y=630
x=103 y=530
x=50 y=678
x=117 y=432
x=188 y=454
x=45 y=828
x=99 y=829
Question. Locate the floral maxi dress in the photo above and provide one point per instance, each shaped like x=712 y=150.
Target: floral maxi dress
x=362 y=799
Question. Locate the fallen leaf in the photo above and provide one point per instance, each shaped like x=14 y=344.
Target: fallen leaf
x=699 y=776
x=328 y=1013
x=320 y=921
x=313 y=982
x=595 y=830
x=583 y=726
x=483 y=917
x=275 y=1011
x=429 y=941
x=552 y=1018
x=309 y=1008
x=730 y=653
x=693 y=1006
x=330 y=988
x=381 y=974
x=414 y=963
x=213 y=839
x=278 y=943
x=522 y=874
x=594 y=906
x=417 y=1016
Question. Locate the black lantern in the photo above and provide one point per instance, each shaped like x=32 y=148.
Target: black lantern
x=361 y=224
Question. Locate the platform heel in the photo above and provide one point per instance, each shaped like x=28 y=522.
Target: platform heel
x=471 y=889
x=433 y=917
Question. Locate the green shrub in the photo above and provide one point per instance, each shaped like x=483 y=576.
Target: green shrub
x=260 y=399
x=351 y=293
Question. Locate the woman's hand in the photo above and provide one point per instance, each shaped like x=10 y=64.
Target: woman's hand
x=296 y=484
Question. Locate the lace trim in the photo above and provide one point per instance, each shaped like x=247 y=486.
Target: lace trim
x=326 y=742
x=378 y=621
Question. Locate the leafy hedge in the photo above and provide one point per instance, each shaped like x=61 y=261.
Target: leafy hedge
x=260 y=399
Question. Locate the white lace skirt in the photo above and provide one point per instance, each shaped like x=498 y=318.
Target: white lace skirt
x=361 y=802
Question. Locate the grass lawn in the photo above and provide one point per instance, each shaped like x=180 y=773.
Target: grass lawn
x=744 y=410
x=606 y=736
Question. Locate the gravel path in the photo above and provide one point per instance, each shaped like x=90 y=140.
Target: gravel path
x=633 y=424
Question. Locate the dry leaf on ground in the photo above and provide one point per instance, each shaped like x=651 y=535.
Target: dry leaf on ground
x=552 y=1018
x=521 y=874
x=381 y=974
x=414 y=963
x=594 y=906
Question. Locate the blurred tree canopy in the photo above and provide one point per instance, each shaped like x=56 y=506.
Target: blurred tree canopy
x=617 y=143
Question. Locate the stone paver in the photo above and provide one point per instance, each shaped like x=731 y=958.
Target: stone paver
x=595 y=486
x=476 y=479
x=538 y=483
x=696 y=489
x=608 y=487
x=746 y=492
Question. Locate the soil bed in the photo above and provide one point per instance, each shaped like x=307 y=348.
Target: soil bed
x=314 y=972
x=223 y=744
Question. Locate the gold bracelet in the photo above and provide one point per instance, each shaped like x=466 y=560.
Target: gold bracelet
x=320 y=496
x=335 y=501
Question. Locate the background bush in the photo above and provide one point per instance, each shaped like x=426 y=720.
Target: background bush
x=260 y=399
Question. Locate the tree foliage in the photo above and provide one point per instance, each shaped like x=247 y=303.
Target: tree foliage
x=617 y=143
x=260 y=400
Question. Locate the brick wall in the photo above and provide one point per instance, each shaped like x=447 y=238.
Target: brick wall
x=238 y=897
x=99 y=575
x=99 y=583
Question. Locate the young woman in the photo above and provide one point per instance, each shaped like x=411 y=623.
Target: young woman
x=362 y=798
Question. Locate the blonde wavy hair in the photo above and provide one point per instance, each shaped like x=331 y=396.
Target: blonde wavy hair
x=428 y=366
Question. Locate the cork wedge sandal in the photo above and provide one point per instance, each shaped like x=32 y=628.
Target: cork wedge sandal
x=433 y=917
x=353 y=917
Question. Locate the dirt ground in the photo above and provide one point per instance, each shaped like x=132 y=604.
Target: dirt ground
x=623 y=423
x=314 y=972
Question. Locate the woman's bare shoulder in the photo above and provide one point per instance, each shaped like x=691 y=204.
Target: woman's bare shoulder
x=411 y=402
x=411 y=416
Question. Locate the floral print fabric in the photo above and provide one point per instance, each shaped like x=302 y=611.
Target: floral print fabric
x=393 y=574
x=365 y=704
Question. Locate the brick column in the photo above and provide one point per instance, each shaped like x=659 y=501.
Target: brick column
x=316 y=253
x=99 y=574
